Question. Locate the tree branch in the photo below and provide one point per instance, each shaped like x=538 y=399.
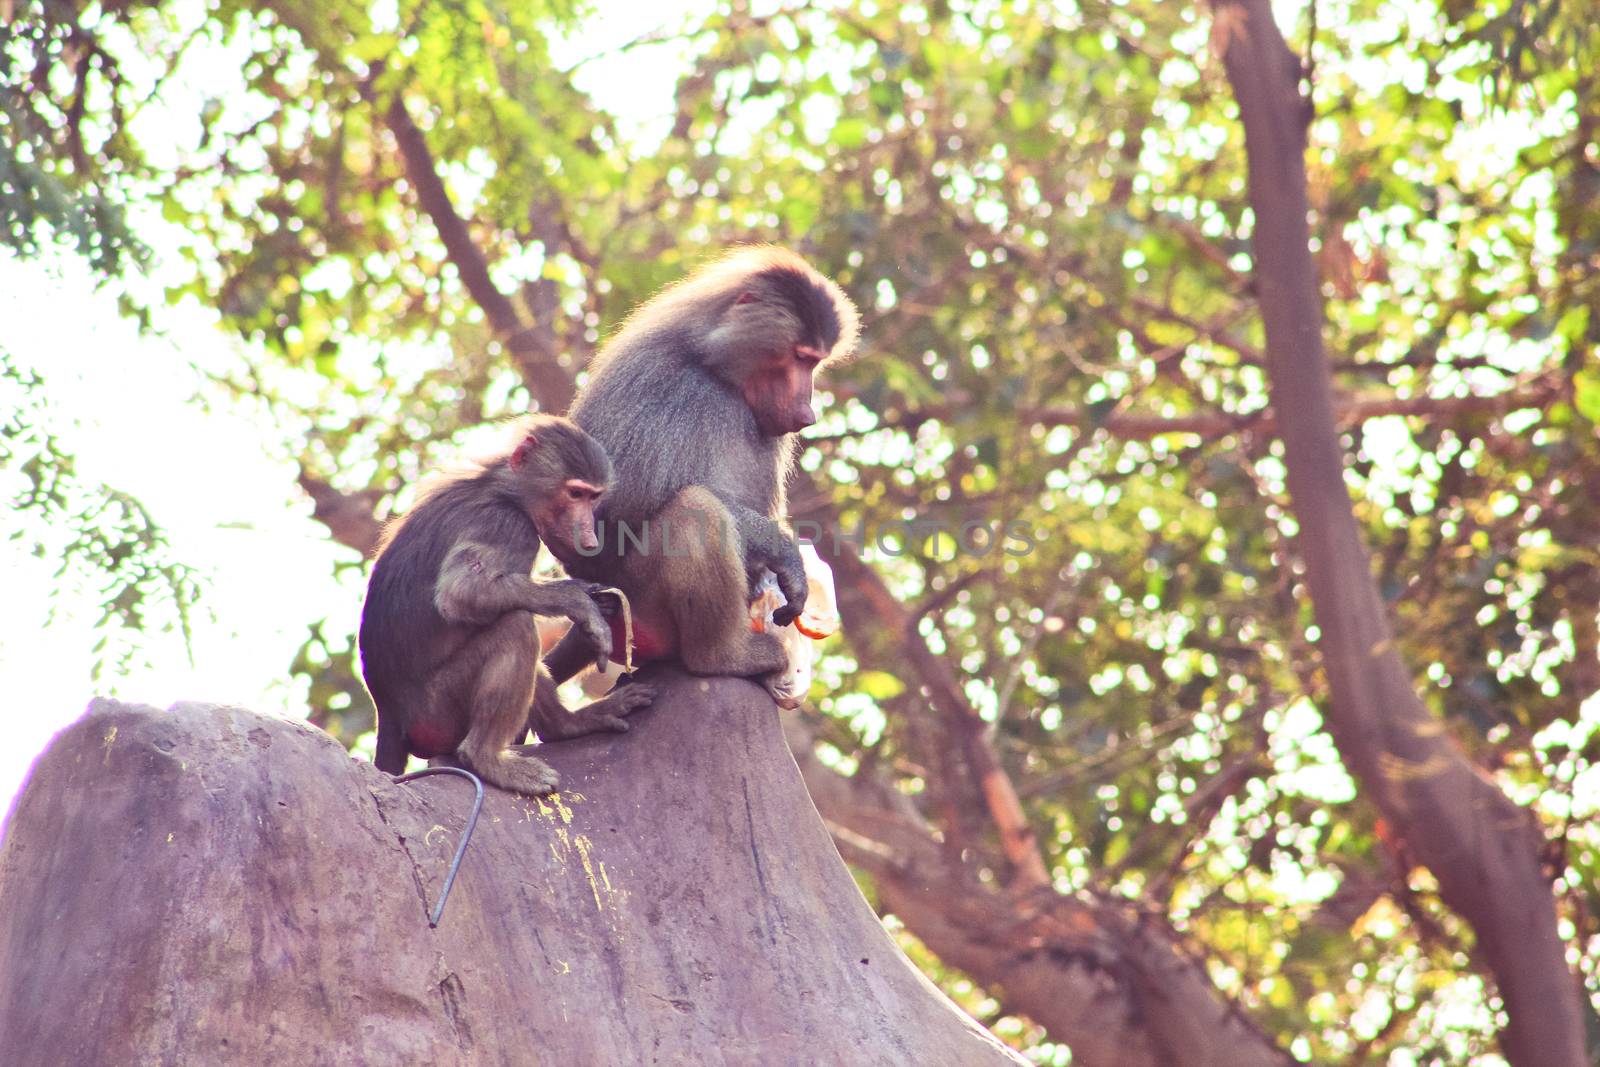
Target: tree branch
x=1017 y=839
x=1112 y=984
x=350 y=517
x=1215 y=424
x=1481 y=848
x=532 y=348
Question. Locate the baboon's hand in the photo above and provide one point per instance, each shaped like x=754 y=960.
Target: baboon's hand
x=598 y=631
x=606 y=598
x=794 y=591
x=589 y=621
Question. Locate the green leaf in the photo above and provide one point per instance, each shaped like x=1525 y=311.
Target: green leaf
x=1586 y=394
x=851 y=132
x=879 y=685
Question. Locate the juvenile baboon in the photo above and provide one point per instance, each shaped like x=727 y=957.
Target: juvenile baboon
x=697 y=400
x=449 y=647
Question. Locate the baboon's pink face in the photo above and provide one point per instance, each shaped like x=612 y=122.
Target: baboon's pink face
x=566 y=523
x=779 y=392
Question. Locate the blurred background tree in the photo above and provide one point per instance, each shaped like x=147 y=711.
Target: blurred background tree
x=1089 y=784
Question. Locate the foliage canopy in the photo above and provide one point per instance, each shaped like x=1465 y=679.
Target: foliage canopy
x=1043 y=215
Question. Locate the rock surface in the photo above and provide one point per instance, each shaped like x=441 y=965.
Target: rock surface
x=207 y=885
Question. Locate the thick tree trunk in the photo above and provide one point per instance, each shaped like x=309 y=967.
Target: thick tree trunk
x=1481 y=848
x=207 y=885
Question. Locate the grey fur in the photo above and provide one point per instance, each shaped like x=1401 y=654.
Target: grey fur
x=663 y=398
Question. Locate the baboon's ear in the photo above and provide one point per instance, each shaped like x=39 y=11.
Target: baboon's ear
x=745 y=298
x=519 y=455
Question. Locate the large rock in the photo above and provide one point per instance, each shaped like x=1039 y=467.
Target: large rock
x=206 y=885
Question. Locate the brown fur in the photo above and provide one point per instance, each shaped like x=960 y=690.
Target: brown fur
x=449 y=642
